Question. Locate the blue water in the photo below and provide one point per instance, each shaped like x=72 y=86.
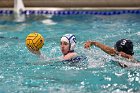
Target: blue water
x=23 y=72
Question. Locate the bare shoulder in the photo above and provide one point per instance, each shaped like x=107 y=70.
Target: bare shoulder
x=70 y=55
x=125 y=62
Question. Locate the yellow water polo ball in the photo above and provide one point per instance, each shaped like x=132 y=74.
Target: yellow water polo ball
x=34 y=41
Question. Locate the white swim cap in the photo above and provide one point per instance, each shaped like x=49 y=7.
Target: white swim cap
x=69 y=38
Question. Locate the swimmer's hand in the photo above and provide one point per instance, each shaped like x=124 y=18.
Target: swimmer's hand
x=34 y=52
x=88 y=44
x=103 y=47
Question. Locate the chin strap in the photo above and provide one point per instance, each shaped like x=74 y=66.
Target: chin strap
x=71 y=51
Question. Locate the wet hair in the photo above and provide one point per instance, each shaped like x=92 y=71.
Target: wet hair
x=124 y=45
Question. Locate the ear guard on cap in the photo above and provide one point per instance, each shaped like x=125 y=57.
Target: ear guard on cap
x=125 y=46
x=69 y=38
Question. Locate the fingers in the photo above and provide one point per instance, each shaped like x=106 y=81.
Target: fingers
x=87 y=44
x=30 y=49
x=33 y=51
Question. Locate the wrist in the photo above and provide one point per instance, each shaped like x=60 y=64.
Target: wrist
x=38 y=53
x=94 y=43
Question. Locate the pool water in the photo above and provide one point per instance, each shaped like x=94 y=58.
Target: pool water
x=23 y=72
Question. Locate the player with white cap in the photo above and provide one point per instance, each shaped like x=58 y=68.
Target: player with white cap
x=68 y=43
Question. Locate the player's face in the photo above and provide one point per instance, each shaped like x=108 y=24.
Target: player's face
x=64 y=47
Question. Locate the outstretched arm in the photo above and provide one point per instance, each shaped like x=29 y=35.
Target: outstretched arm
x=44 y=57
x=103 y=47
x=107 y=49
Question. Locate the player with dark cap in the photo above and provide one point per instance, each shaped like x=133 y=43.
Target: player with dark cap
x=124 y=45
x=123 y=48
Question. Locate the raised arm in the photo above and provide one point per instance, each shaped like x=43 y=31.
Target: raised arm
x=103 y=47
x=44 y=57
x=107 y=49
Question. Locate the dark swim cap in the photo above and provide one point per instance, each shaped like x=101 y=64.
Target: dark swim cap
x=125 y=46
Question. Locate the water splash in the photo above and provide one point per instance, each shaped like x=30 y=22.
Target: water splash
x=49 y=22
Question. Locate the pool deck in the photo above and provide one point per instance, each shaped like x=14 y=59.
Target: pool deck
x=76 y=8
x=74 y=4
